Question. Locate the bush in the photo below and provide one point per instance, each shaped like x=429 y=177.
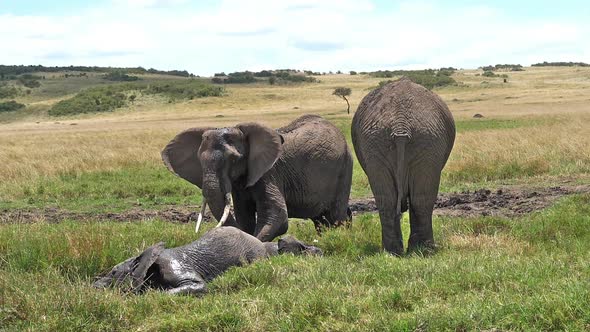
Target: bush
x=429 y=78
x=488 y=73
x=29 y=81
x=561 y=64
x=277 y=76
x=352 y=72
x=188 y=89
x=10 y=106
x=240 y=77
x=8 y=91
x=510 y=67
x=17 y=70
x=103 y=99
x=119 y=76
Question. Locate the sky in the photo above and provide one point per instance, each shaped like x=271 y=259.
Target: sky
x=206 y=37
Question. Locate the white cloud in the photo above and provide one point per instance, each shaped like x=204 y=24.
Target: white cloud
x=305 y=34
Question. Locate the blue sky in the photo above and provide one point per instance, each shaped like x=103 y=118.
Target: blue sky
x=205 y=37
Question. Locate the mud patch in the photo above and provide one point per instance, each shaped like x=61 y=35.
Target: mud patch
x=505 y=202
x=52 y=215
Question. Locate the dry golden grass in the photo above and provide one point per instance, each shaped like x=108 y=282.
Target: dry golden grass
x=30 y=150
x=483 y=242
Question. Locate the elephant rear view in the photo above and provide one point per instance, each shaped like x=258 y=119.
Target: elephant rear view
x=403 y=135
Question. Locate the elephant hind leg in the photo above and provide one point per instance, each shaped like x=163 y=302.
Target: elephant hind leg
x=338 y=212
x=383 y=186
x=423 y=192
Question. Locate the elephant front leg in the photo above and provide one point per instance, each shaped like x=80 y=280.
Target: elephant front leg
x=245 y=211
x=271 y=219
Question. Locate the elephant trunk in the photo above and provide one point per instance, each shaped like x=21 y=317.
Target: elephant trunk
x=217 y=194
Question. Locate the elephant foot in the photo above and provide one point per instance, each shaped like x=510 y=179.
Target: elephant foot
x=394 y=250
x=423 y=248
x=195 y=289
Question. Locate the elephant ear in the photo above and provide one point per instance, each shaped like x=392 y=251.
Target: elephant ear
x=265 y=146
x=143 y=263
x=181 y=157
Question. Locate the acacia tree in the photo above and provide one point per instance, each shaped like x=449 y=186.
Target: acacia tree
x=343 y=92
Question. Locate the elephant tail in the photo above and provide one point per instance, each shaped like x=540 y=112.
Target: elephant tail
x=400 y=142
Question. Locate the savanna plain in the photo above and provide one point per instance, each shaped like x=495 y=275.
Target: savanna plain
x=81 y=193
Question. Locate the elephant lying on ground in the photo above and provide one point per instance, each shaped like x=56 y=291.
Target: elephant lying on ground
x=403 y=135
x=302 y=170
x=186 y=269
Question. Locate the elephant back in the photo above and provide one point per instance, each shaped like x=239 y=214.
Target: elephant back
x=312 y=137
x=404 y=108
x=219 y=249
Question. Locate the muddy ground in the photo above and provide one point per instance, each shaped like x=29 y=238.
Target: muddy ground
x=504 y=202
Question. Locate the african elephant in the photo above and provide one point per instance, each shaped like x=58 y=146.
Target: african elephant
x=302 y=170
x=403 y=135
x=186 y=269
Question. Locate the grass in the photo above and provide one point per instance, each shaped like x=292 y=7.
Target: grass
x=523 y=274
x=529 y=273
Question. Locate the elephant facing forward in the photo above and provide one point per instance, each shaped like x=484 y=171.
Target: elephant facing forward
x=302 y=170
x=403 y=135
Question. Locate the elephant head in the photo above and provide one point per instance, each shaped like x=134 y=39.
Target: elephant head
x=289 y=244
x=133 y=270
x=215 y=159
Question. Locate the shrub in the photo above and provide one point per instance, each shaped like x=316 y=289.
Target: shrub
x=488 y=73
x=277 y=76
x=119 y=76
x=188 y=89
x=240 y=77
x=429 y=78
x=10 y=106
x=510 y=67
x=561 y=64
x=8 y=91
x=352 y=72
x=103 y=99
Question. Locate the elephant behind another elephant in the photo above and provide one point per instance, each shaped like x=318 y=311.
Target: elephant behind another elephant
x=403 y=135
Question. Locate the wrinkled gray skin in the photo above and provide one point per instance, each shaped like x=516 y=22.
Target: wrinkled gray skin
x=303 y=170
x=186 y=269
x=403 y=135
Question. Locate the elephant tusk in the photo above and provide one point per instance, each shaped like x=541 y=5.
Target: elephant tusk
x=201 y=214
x=228 y=204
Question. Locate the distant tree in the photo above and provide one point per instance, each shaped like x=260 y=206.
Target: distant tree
x=272 y=80
x=352 y=72
x=343 y=92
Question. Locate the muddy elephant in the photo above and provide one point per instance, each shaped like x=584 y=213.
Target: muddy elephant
x=403 y=135
x=187 y=269
x=302 y=170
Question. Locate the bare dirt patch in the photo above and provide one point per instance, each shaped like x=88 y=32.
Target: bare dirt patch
x=504 y=202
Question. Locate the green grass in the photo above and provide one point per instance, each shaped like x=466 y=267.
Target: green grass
x=530 y=273
x=107 y=191
x=152 y=185
x=485 y=124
